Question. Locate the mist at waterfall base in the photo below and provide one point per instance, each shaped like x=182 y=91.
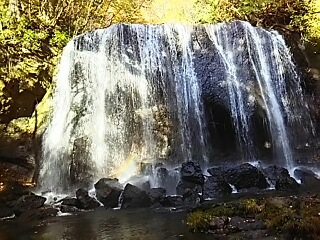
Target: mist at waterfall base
x=133 y=95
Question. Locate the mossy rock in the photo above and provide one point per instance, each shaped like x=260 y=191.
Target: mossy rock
x=295 y=216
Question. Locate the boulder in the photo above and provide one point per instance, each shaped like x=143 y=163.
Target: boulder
x=241 y=176
x=108 y=191
x=172 y=201
x=5 y=212
x=191 y=198
x=189 y=191
x=11 y=191
x=215 y=187
x=134 y=197
x=156 y=194
x=308 y=178
x=287 y=184
x=185 y=186
x=28 y=202
x=38 y=214
x=68 y=201
x=85 y=201
x=191 y=172
x=274 y=173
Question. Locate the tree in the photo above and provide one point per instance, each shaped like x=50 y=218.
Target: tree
x=32 y=36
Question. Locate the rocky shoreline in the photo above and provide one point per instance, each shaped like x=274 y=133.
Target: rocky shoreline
x=229 y=201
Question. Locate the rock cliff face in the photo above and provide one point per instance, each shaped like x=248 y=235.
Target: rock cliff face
x=20 y=141
x=226 y=62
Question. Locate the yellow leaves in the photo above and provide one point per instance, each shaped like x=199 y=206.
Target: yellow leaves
x=174 y=11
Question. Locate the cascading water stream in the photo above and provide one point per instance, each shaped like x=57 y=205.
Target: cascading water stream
x=257 y=65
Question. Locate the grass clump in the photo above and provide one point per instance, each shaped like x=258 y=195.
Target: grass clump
x=199 y=221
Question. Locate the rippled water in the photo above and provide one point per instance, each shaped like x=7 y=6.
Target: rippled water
x=103 y=224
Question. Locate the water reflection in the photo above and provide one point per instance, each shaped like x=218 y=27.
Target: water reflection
x=104 y=224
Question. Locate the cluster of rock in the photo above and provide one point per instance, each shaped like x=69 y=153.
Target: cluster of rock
x=193 y=188
x=16 y=201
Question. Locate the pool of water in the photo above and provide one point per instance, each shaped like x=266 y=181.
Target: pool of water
x=103 y=224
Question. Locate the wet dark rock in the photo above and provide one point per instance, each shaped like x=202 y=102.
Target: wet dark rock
x=145 y=186
x=156 y=205
x=134 y=197
x=242 y=224
x=274 y=173
x=38 y=214
x=5 y=212
x=189 y=191
x=216 y=172
x=252 y=190
x=241 y=176
x=69 y=209
x=68 y=201
x=191 y=198
x=185 y=186
x=156 y=194
x=28 y=202
x=308 y=178
x=191 y=172
x=218 y=223
x=172 y=201
x=12 y=191
x=287 y=184
x=215 y=187
x=257 y=234
x=86 y=202
x=108 y=191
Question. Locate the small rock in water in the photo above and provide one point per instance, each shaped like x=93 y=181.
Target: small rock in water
x=308 y=178
x=38 y=214
x=68 y=209
x=68 y=201
x=86 y=202
x=28 y=202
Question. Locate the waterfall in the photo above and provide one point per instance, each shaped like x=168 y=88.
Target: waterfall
x=132 y=94
x=121 y=94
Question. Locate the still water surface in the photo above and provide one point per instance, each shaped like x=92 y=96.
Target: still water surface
x=103 y=224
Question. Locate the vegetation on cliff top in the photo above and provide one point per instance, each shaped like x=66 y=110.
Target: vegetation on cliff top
x=33 y=33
